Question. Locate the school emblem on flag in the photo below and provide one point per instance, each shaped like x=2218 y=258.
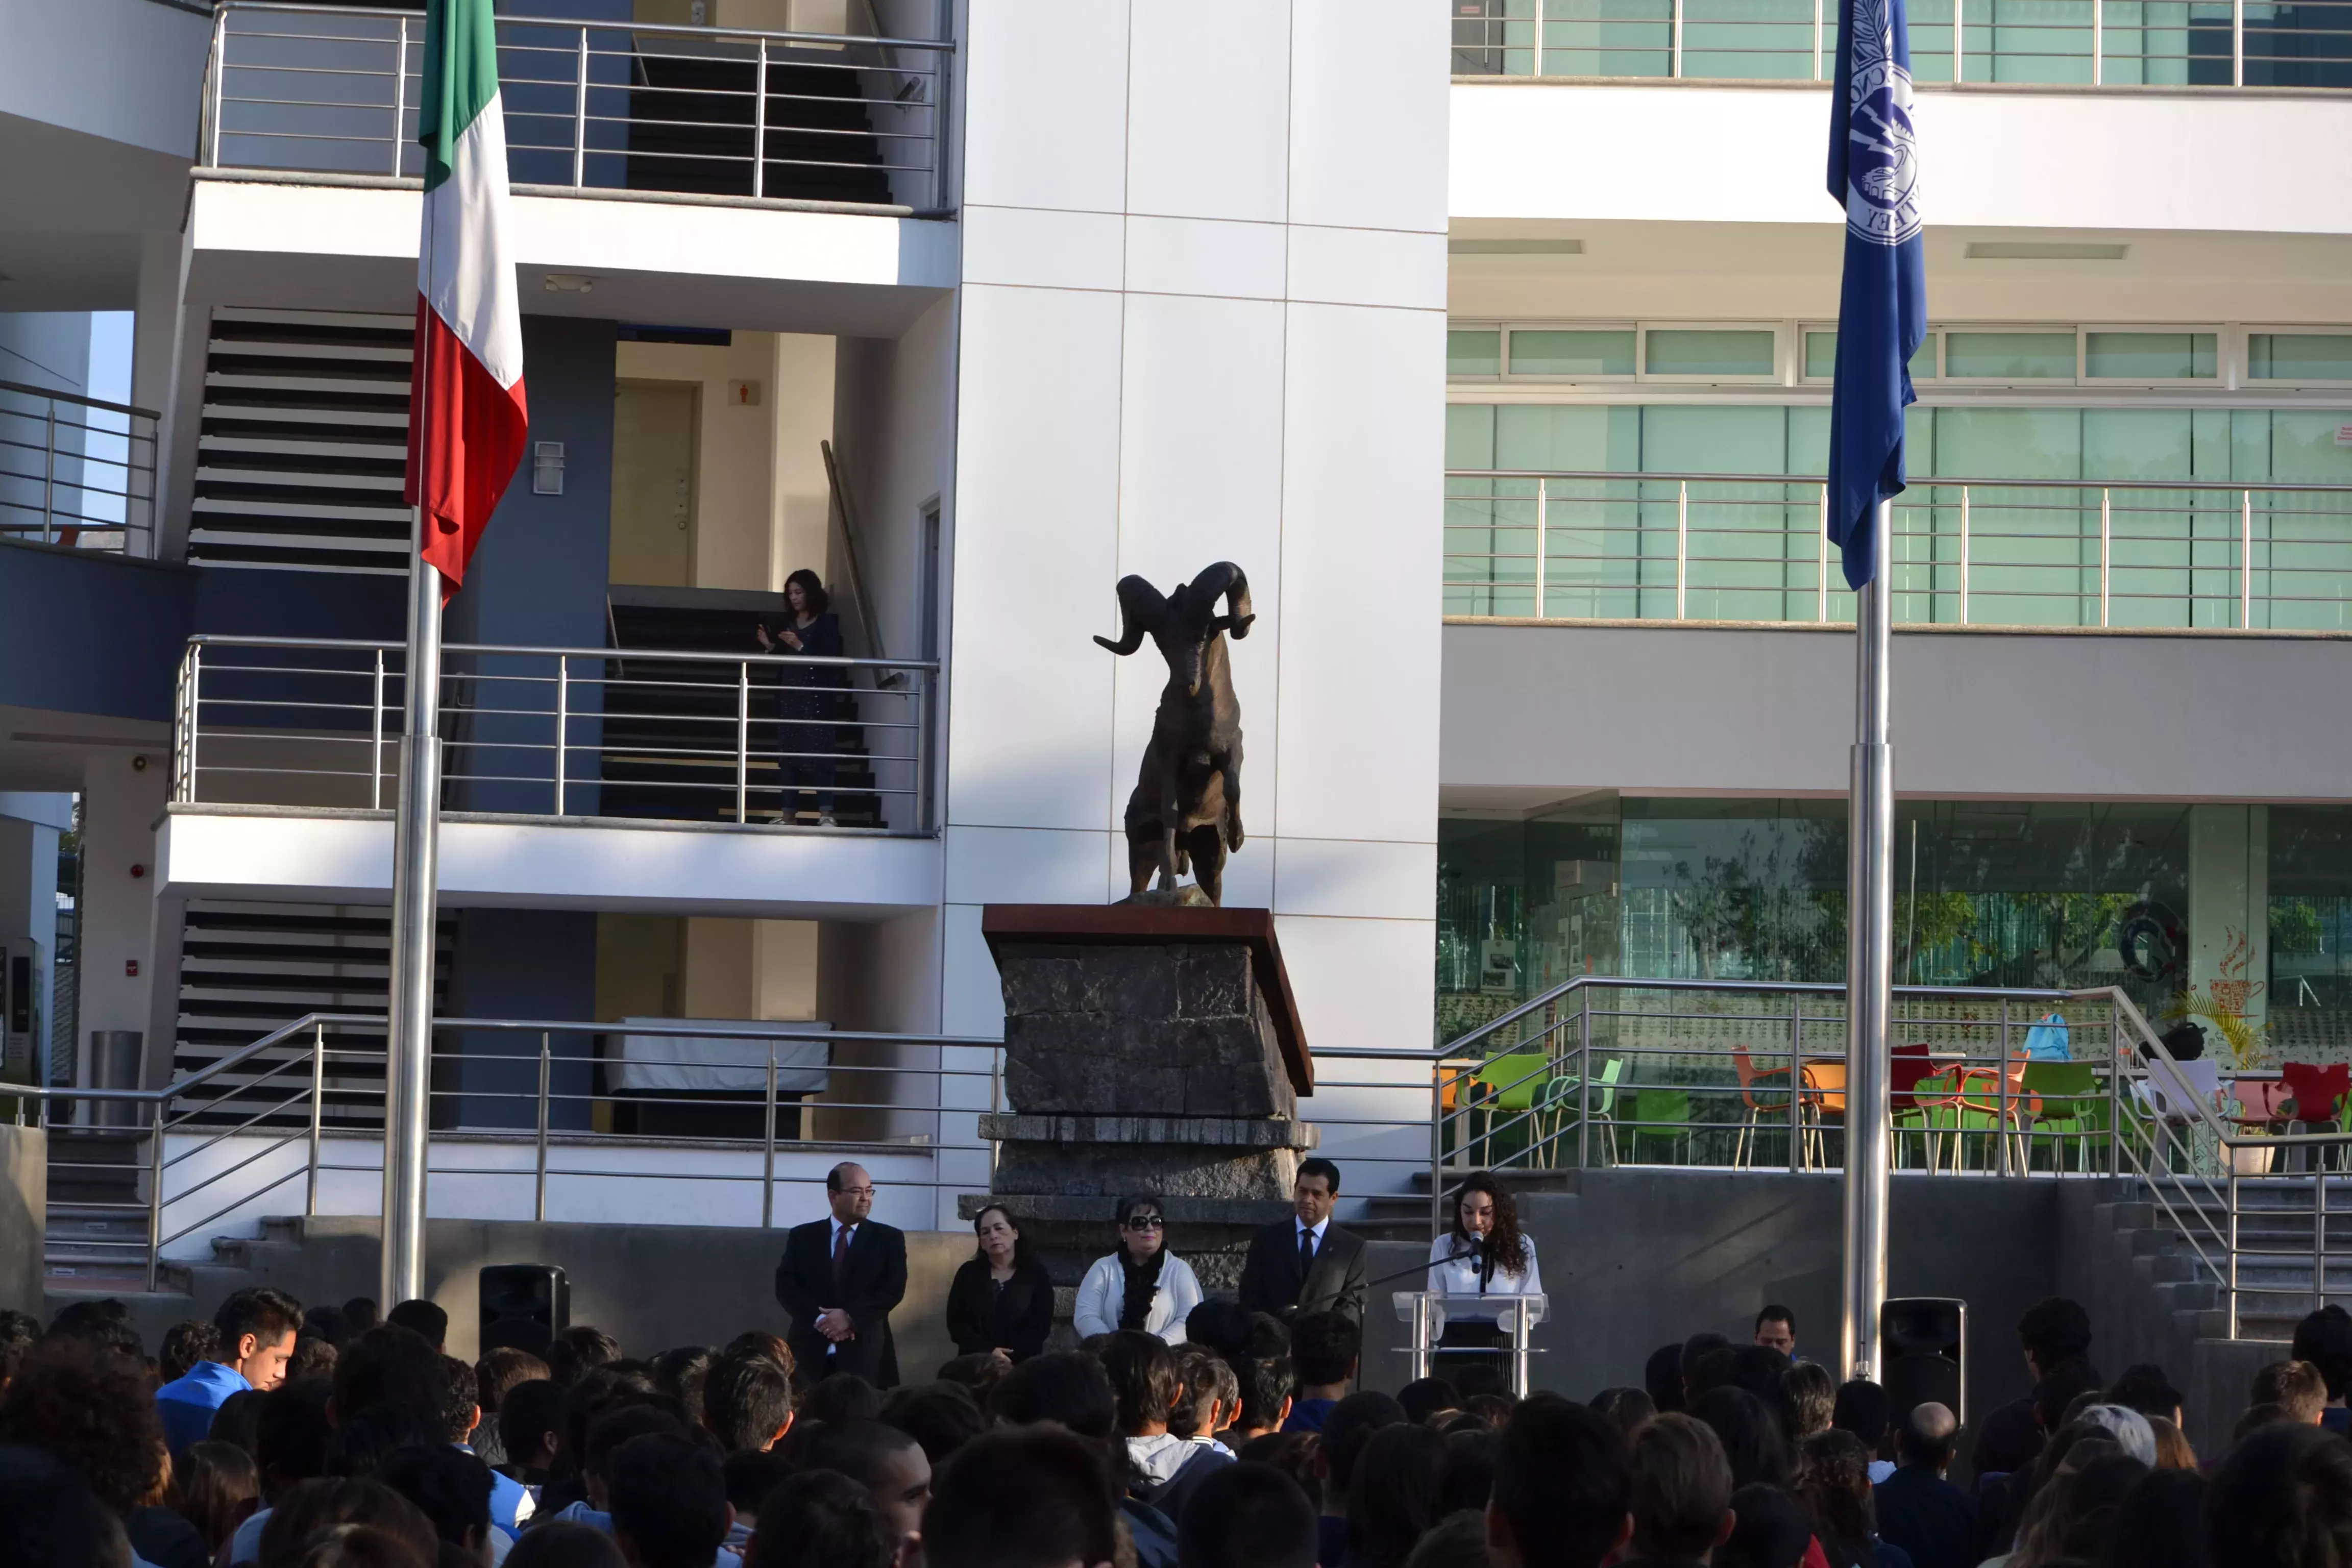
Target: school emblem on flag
x=1882 y=198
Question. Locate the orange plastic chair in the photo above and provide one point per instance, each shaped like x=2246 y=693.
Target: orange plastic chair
x=2260 y=1102
x=1743 y=1147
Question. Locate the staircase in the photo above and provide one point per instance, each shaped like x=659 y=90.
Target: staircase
x=247 y=969
x=302 y=444
x=695 y=702
x=690 y=130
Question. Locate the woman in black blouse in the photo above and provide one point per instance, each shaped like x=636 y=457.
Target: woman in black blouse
x=1001 y=1304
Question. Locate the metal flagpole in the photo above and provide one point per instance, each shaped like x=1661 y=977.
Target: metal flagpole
x=416 y=843
x=1869 y=965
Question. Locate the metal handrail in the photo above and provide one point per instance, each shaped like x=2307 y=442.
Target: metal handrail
x=1941 y=562
x=72 y=464
x=1671 y=38
x=542 y=717
x=323 y=124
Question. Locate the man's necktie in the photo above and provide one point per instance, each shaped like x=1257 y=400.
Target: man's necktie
x=1306 y=1259
x=840 y=1258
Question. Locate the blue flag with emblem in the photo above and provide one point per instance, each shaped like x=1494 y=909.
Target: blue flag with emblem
x=1883 y=302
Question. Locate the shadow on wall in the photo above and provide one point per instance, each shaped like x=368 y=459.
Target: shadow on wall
x=652 y=1287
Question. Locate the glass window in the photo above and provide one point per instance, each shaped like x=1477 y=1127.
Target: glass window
x=1572 y=354
x=1748 y=38
x=2011 y=356
x=1602 y=37
x=2299 y=356
x=1573 y=440
x=1821 y=357
x=2149 y=356
x=1676 y=351
x=1474 y=352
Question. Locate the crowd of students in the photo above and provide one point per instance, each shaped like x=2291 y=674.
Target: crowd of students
x=288 y=1438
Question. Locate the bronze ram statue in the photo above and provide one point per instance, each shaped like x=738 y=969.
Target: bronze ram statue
x=1187 y=804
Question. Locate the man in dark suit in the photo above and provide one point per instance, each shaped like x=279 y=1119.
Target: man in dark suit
x=839 y=1277
x=1918 y=1509
x=1306 y=1263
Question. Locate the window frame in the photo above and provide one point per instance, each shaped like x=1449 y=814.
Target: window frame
x=2245 y=352
x=1937 y=331
x=1775 y=376
x=2220 y=335
x=1542 y=378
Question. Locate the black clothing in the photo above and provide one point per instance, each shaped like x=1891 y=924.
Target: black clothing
x=1139 y=1282
x=1270 y=1281
x=161 y=1537
x=2008 y=1440
x=872 y=1281
x=981 y=1315
x=1471 y=1344
x=1170 y=1497
x=1928 y=1517
x=807 y=692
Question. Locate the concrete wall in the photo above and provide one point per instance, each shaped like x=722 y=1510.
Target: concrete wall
x=2001 y=715
x=1638 y=1258
x=86 y=633
x=24 y=1215
x=650 y=1287
x=1203 y=285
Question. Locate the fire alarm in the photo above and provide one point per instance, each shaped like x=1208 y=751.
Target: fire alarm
x=130 y=969
x=138 y=764
x=137 y=872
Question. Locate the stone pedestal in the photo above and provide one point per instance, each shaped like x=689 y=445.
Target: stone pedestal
x=1146 y=1050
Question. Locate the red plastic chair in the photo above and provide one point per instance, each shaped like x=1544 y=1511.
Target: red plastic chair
x=1908 y=1067
x=2317 y=1091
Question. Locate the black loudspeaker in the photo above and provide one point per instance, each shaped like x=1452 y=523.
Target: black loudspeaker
x=524 y=1306
x=1923 y=1340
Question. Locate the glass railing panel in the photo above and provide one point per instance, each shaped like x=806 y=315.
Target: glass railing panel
x=2308 y=43
x=1751 y=39
x=1608 y=38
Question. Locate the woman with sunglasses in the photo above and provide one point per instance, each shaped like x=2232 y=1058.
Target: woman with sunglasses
x=1140 y=1286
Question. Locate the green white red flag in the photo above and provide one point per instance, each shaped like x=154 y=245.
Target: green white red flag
x=466 y=418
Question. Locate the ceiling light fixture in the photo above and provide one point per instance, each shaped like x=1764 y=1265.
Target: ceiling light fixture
x=566 y=283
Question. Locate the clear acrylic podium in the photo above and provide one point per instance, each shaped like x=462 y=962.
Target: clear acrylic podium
x=1424 y=1312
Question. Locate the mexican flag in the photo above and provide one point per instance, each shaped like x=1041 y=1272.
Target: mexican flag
x=467 y=417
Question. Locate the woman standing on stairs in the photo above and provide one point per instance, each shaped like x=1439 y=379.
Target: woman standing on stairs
x=805 y=747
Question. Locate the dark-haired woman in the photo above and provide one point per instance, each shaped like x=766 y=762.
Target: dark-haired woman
x=805 y=748
x=1001 y=1303
x=1484 y=1253
x=1140 y=1286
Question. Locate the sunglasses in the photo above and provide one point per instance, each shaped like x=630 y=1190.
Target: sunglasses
x=1145 y=1222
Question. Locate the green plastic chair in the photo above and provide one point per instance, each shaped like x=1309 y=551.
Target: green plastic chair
x=2074 y=1108
x=1667 y=1105
x=1564 y=1101
x=1508 y=1088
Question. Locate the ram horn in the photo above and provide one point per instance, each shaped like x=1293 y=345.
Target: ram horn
x=1226 y=580
x=1141 y=607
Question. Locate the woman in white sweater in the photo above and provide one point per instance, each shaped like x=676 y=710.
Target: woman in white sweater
x=1140 y=1286
x=1484 y=1253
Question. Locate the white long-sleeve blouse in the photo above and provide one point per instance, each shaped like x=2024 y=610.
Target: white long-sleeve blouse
x=1103 y=1293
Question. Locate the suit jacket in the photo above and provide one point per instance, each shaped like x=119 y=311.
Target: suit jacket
x=873 y=1282
x=1928 y=1517
x=979 y=1320
x=1270 y=1280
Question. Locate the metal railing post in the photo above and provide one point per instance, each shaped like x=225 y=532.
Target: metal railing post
x=743 y=740
x=1796 y=1078
x=2230 y=1155
x=539 y=1184
x=375 y=740
x=2237 y=78
x=1959 y=38
x=563 y=721
x=2000 y=1066
x=1542 y=489
x=1964 y=555
x=1675 y=68
x=216 y=84
x=2098 y=45
x=318 y=1113
x=1822 y=559
x=580 y=116
x=1584 y=1083
x=1437 y=1142
x=155 y=1189
x=1817 y=40
x=2245 y=560
x=2318 y=1227
x=2115 y=1091
x=399 y=94
x=195 y=711
x=768 y=1149
x=2106 y=548
x=49 y=474
x=1682 y=512
x=760 y=124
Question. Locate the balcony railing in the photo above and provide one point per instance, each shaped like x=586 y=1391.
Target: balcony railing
x=2181 y=554
x=2077 y=43
x=751 y=740
x=75 y=471
x=330 y=92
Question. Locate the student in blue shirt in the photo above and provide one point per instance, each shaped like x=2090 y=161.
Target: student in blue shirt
x=256 y=1337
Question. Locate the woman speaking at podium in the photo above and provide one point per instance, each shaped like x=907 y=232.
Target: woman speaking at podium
x=1484 y=1254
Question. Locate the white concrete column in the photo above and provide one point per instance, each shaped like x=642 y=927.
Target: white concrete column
x=2229 y=907
x=120 y=803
